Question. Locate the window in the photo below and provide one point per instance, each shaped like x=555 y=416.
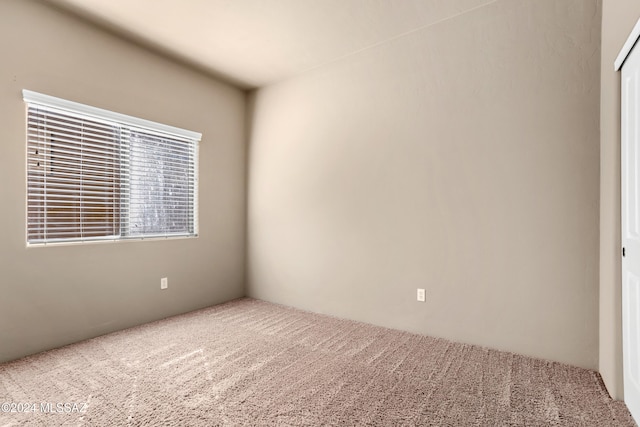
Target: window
x=98 y=175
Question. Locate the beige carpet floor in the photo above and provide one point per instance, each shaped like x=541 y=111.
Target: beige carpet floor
x=253 y=363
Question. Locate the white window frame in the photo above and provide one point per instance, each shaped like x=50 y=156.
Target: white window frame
x=93 y=113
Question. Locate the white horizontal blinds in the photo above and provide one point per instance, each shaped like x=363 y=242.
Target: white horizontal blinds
x=93 y=174
x=160 y=183
x=73 y=177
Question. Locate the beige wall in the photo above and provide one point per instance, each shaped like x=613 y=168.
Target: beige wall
x=461 y=158
x=56 y=295
x=618 y=18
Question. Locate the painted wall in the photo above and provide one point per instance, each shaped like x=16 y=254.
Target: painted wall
x=618 y=18
x=51 y=296
x=461 y=158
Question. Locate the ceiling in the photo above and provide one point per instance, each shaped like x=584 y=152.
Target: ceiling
x=253 y=43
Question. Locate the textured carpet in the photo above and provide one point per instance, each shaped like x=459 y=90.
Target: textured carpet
x=249 y=362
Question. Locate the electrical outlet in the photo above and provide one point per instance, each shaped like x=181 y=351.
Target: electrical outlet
x=421 y=295
x=164 y=283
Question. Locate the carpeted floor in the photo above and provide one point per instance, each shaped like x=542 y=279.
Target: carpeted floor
x=253 y=363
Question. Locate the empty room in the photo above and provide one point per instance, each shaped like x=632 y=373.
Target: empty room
x=319 y=212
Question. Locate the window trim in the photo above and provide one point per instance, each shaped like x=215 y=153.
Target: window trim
x=99 y=114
